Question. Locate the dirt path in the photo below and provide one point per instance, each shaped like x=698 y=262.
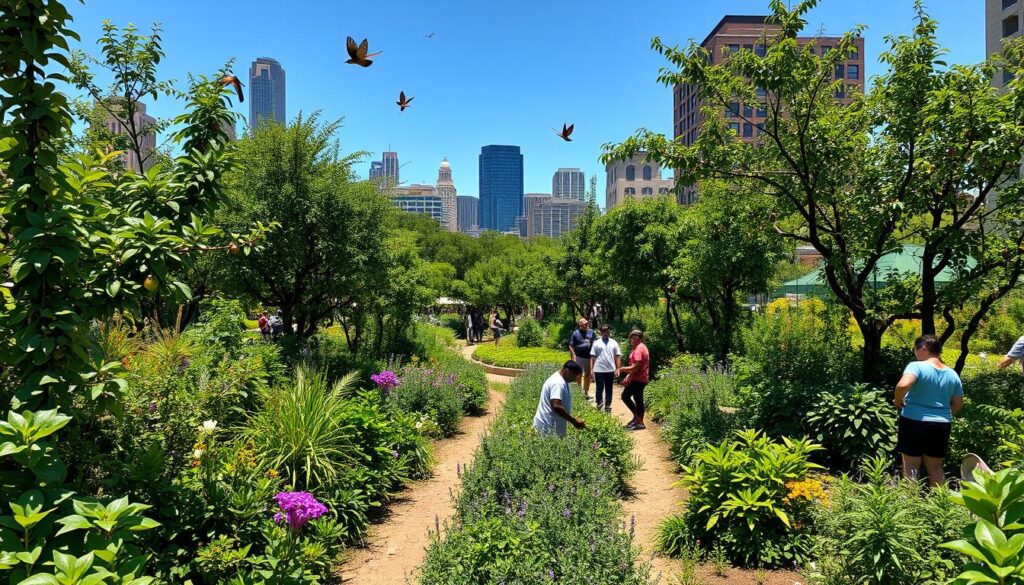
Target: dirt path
x=395 y=548
x=655 y=496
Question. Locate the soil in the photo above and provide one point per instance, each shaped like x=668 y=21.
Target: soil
x=395 y=548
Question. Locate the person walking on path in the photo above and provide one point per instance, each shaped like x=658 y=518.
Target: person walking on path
x=496 y=327
x=468 y=321
x=1016 y=354
x=554 y=409
x=605 y=362
x=478 y=325
x=579 y=351
x=638 y=374
x=927 y=396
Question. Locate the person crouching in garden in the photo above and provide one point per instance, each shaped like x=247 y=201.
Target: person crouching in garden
x=639 y=373
x=927 y=396
x=605 y=361
x=554 y=409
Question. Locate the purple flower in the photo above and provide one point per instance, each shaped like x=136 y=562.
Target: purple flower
x=385 y=380
x=551 y=575
x=394 y=454
x=522 y=509
x=297 y=508
x=567 y=512
x=152 y=407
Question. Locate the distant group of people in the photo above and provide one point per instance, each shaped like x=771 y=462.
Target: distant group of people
x=270 y=325
x=596 y=359
x=475 y=324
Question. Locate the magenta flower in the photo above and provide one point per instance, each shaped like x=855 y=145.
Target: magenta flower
x=297 y=508
x=385 y=380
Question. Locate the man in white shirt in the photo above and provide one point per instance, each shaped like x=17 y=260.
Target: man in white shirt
x=1016 y=354
x=605 y=361
x=554 y=409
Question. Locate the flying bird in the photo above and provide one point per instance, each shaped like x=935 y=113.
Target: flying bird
x=402 y=102
x=430 y=36
x=233 y=80
x=357 y=55
x=566 y=132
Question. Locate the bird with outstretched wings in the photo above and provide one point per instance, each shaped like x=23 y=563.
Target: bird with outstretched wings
x=566 y=132
x=233 y=81
x=402 y=102
x=358 y=54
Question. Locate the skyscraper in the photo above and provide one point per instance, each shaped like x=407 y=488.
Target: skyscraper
x=554 y=216
x=446 y=190
x=530 y=203
x=468 y=213
x=501 y=187
x=419 y=199
x=266 y=91
x=569 y=184
x=376 y=169
x=147 y=140
x=731 y=34
x=390 y=161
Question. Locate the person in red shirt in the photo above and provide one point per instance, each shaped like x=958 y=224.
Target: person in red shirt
x=638 y=374
x=264 y=325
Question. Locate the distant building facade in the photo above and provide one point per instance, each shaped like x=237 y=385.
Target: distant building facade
x=446 y=190
x=553 y=217
x=266 y=91
x=1003 y=20
x=376 y=169
x=390 y=164
x=501 y=187
x=730 y=35
x=569 y=184
x=634 y=179
x=468 y=212
x=419 y=199
x=530 y=203
x=147 y=140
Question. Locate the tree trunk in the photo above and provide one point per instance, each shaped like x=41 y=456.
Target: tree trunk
x=871 y=359
x=929 y=294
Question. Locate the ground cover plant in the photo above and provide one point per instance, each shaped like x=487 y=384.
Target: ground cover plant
x=508 y=355
x=535 y=509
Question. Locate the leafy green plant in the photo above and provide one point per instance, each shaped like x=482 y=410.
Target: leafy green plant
x=719 y=560
x=432 y=393
x=994 y=543
x=529 y=333
x=694 y=415
x=886 y=531
x=507 y=356
x=852 y=423
x=986 y=419
x=752 y=497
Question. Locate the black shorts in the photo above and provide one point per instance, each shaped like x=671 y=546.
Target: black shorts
x=916 y=438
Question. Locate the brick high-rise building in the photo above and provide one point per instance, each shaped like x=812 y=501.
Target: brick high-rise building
x=635 y=178
x=730 y=35
x=266 y=91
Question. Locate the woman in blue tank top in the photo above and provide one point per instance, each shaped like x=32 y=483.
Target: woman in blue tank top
x=927 y=395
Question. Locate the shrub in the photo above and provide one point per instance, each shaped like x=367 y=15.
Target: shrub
x=688 y=401
x=529 y=333
x=752 y=497
x=992 y=543
x=507 y=356
x=853 y=423
x=886 y=532
x=470 y=380
x=980 y=430
x=430 y=392
x=455 y=322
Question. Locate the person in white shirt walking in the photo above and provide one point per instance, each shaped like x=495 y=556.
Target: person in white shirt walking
x=554 y=409
x=605 y=362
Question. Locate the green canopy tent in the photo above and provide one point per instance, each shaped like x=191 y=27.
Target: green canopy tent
x=906 y=261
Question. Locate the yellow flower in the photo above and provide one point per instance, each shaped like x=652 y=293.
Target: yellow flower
x=272 y=474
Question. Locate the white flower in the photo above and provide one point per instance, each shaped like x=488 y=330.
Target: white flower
x=209 y=425
x=984 y=356
x=197 y=454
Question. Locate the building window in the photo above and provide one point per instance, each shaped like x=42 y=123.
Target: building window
x=647 y=172
x=825 y=49
x=647 y=191
x=760 y=92
x=748 y=111
x=748 y=130
x=1008 y=3
x=734 y=48
x=630 y=173
x=855 y=52
x=630 y=191
x=762 y=112
x=735 y=127
x=663 y=191
x=853 y=71
x=1011 y=25
x=839 y=71
x=733 y=110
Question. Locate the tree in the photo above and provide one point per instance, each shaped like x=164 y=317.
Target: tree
x=916 y=161
x=333 y=240
x=728 y=251
x=639 y=241
x=78 y=247
x=587 y=280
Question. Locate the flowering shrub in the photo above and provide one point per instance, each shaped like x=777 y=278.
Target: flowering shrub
x=297 y=508
x=434 y=393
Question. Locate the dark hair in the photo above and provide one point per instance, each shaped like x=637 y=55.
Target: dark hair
x=572 y=367
x=929 y=342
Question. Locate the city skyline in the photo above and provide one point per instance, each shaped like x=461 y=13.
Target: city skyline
x=470 y=90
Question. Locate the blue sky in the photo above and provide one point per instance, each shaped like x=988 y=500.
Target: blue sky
x=495 y=72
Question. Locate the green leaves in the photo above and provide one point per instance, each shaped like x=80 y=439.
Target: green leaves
x=995 y=542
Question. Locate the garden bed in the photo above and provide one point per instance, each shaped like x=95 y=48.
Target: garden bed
x=510 y=356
